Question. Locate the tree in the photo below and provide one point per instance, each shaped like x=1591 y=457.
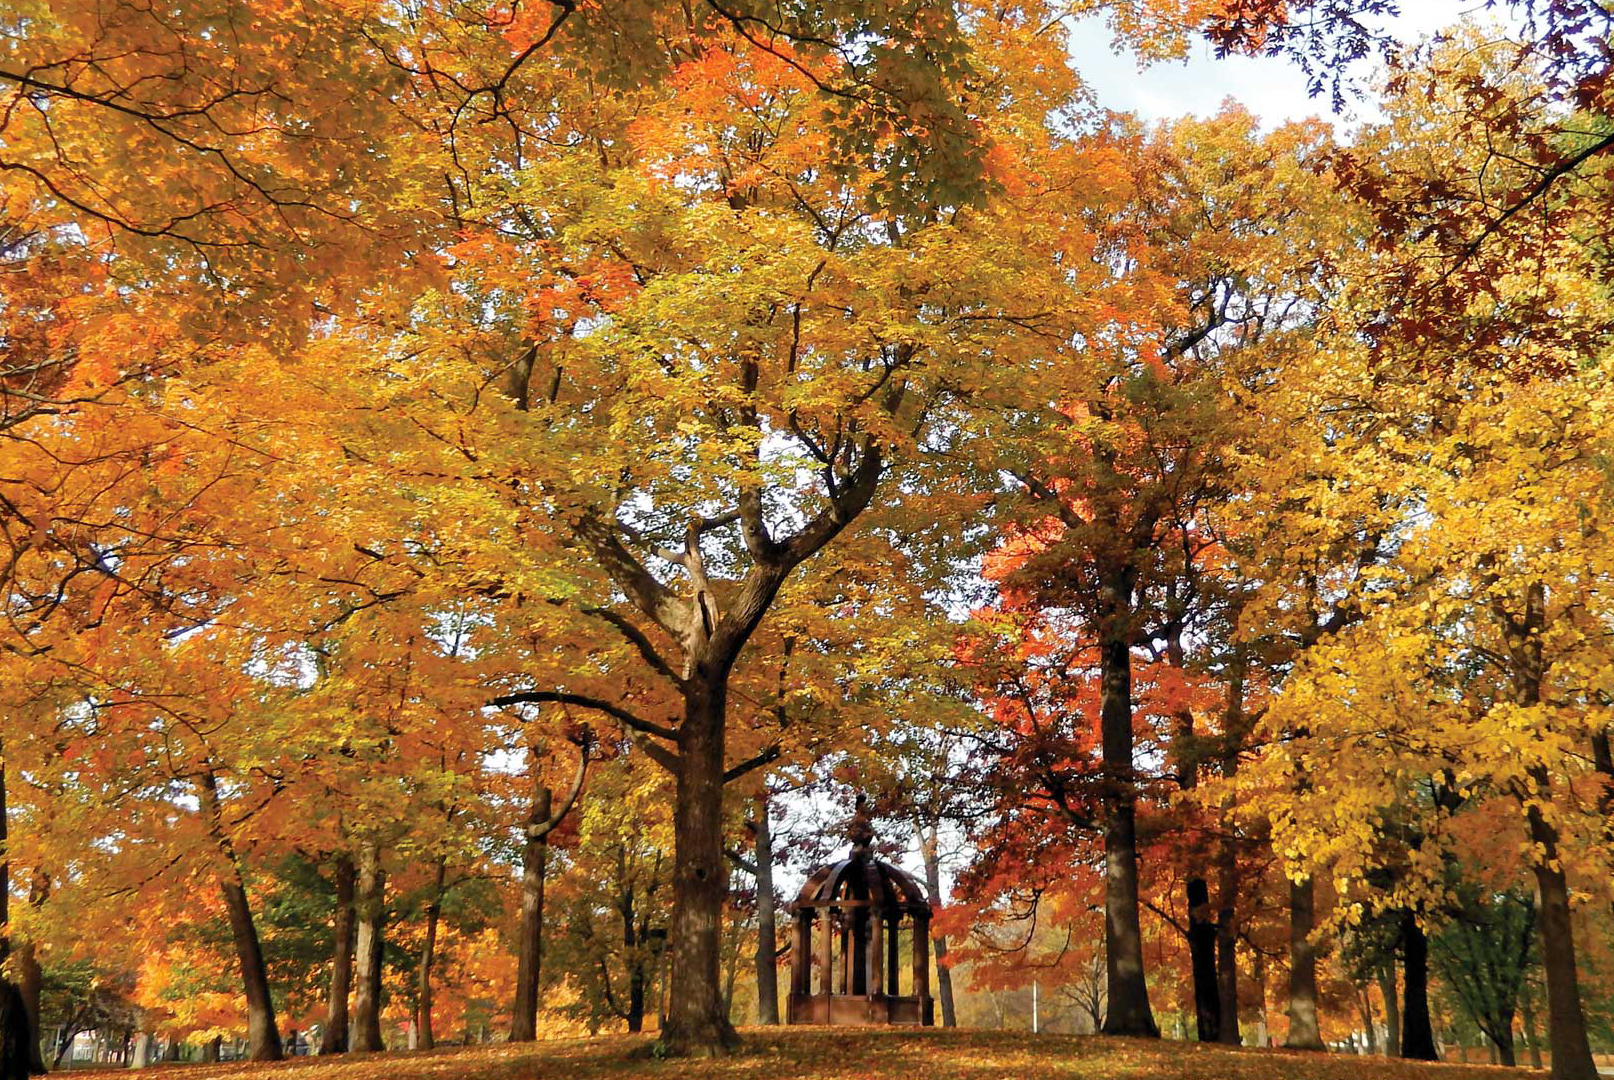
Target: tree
x=1487 y=688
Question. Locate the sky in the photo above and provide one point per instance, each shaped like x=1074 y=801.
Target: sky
x=1273 y=88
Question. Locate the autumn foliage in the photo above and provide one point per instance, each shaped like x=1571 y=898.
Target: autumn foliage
x=469 y=473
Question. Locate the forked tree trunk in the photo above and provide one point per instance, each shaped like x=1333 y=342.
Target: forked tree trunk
x=369 y=946
x=334 y=1039
x=1417 y=1032
x=263 y=1032
x=929 y=842
x=1304 y=1033
x=530 y=936
x=767 y=954
x=428 y=951
x=696 y=1020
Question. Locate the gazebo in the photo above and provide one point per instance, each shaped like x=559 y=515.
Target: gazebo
x=859 y=906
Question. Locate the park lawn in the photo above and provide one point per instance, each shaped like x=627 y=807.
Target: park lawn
x=854 y=1054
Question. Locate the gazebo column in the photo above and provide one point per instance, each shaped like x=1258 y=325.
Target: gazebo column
x=894 y=927
x=875 y=953
x=827 y=951
x=860 y=951
x=921 y=957
x=846 y=951
x=801 y=956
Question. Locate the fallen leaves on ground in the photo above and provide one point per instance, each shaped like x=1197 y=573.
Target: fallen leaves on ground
x=854 y=1054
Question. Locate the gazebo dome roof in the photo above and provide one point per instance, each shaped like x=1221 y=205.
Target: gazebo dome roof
x=861 y=877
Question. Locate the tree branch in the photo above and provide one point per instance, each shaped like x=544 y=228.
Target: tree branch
x=583 y=701
x=751 y=764
x=538 y=832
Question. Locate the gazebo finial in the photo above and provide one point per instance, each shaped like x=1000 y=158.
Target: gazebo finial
x=861 y=831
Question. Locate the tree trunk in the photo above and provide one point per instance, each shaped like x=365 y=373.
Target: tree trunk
x=1128 y=989
x=1531 y=1033
x=1392 y=1009
x=1566 y=1020
x=30 y=984
x=731 y=971
x=1303 y=1030
x=1417 y=1033
x=428 y=951
x=1365 y=994
x=1227 y=868
x=767 y=955
x=1259 y=977
x=263 y=1032
x=1603 y=763
x=1566 y=1023
x=530 y=939
x=19 y=1030
x=1202 y=962
x=369 y=944
x=634 y=937
x=1502 y=1044
x=334 y=1039
x=1227 y=964
x=696 y=1023
x=929 y=843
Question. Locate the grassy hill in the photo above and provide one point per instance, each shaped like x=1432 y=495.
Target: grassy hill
x=856 y=1054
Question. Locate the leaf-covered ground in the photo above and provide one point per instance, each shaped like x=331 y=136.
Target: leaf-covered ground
x=856 y=1054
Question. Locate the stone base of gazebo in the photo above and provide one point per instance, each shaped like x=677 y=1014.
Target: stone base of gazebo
x=860 y=1009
